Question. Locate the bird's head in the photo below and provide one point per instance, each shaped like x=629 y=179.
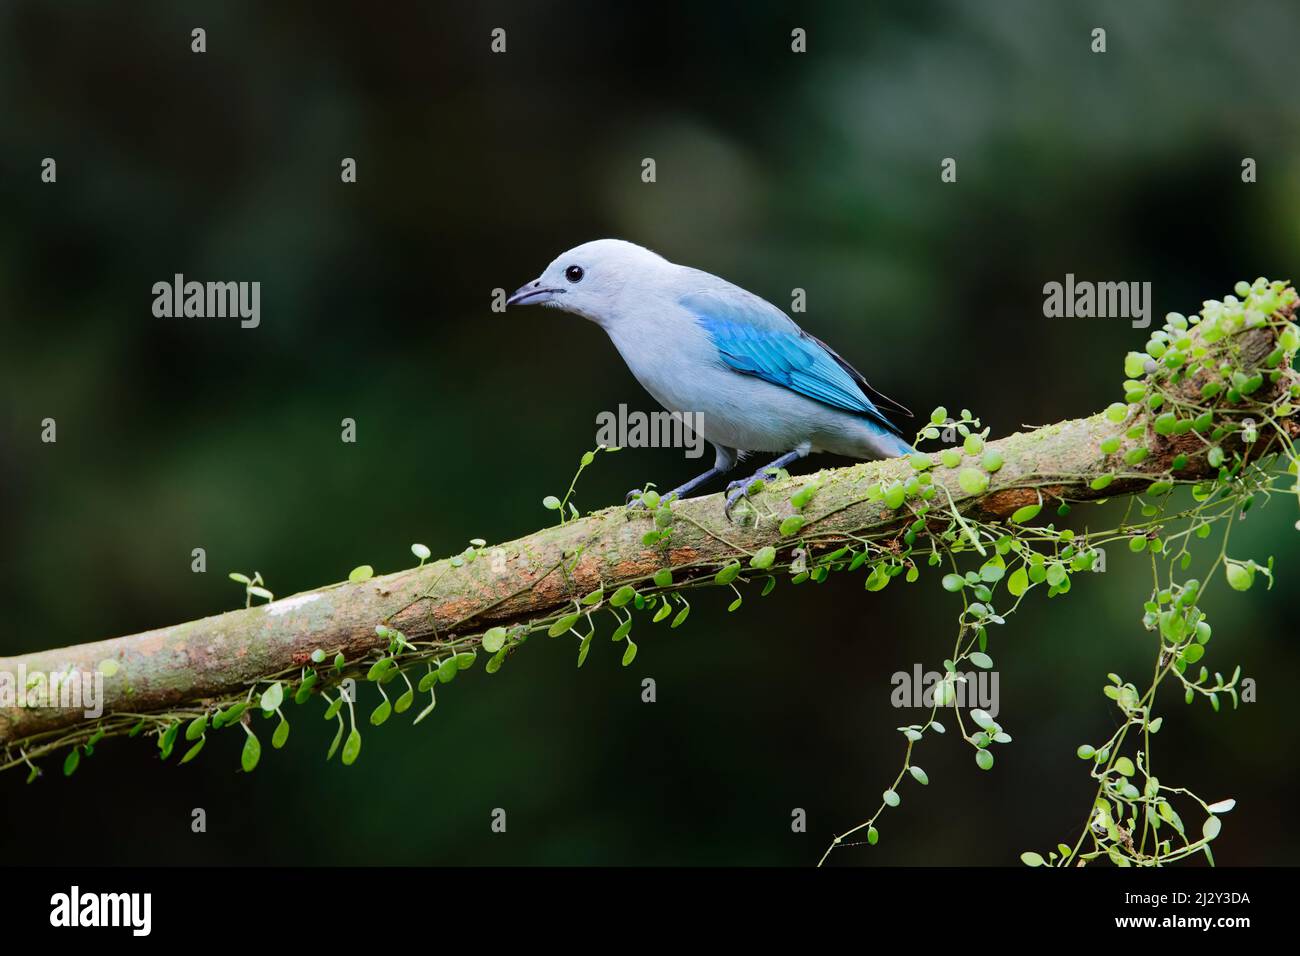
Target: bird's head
x=588 y=279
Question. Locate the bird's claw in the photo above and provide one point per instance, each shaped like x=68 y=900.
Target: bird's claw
x=636 y=498
x=735 y=491
x=741 y=489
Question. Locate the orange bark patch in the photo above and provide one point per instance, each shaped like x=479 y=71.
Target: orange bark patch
x=1010 y=500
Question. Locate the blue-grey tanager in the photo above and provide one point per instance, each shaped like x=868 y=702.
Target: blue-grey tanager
x=735 y=364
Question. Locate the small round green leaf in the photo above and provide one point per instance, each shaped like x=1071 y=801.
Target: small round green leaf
x=251 y=754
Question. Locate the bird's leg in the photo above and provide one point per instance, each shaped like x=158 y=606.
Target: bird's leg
x=739 y=489
x=723 y=462
x=682 y=490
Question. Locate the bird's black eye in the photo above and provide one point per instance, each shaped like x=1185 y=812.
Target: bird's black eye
x=573 y=273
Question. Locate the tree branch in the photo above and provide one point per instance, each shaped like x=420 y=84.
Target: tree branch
x=545 y=574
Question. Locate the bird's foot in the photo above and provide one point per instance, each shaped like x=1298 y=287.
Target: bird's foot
x=647 y=496
x=737 y=490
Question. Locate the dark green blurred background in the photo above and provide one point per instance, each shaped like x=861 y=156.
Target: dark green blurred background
x=775 y=170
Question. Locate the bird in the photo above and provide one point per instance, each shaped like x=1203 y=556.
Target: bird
x=740 y=368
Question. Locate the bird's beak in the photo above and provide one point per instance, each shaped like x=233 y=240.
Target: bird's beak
x=532 y=293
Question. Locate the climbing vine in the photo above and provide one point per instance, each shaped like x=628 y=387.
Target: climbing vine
x=1193 y=396
x=1184 y=386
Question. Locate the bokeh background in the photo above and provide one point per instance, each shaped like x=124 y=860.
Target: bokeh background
x=775 y=170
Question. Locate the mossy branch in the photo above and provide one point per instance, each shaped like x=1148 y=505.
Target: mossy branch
x=524 y=584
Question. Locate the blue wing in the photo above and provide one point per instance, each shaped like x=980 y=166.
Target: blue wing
x=756 y=338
